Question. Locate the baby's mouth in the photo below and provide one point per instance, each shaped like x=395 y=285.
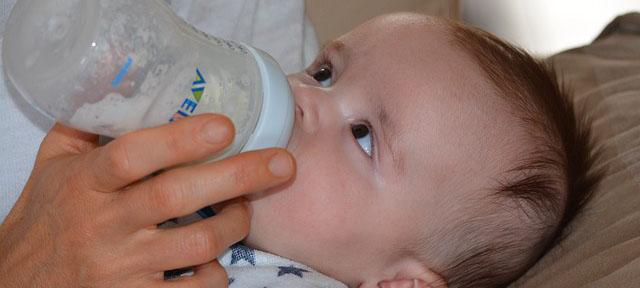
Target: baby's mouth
x=299 y=114
x=299 y=111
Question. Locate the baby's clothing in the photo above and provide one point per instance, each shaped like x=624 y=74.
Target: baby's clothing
x=249 y=268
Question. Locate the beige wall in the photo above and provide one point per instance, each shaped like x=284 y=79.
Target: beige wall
x=333 y=18
x=545 y=27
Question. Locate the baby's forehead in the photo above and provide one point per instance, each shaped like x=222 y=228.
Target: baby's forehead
x=411 y=49
x=403 y=30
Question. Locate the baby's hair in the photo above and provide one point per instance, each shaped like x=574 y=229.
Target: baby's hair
x=548 y=186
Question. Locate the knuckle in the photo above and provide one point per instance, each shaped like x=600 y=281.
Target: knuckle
x=203 y=244
x=167 y=199
x=118 y=160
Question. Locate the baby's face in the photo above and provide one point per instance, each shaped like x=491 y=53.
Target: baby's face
x=388 y=144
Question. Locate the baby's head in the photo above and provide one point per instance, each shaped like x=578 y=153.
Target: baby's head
x=425 y=150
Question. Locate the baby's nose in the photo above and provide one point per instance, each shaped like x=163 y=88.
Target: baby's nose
x=300 y=78
x=307 y=114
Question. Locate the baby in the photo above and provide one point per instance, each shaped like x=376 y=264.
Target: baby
x=426 y=150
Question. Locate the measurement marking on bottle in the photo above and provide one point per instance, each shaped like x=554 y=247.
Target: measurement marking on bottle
x=123 y=71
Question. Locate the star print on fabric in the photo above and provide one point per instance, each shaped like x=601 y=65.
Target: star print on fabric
x=231 y=279
x=241 y=252
x=283 y=270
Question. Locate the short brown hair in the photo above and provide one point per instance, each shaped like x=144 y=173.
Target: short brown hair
x=550 y=185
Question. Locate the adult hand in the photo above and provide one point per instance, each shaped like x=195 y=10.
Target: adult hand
x=87 y=216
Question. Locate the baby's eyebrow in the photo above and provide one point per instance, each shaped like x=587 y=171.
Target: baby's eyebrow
x=389 y=135
x=335 y=45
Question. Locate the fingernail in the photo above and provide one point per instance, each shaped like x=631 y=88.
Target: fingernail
x=215 y=132
x=280 y=165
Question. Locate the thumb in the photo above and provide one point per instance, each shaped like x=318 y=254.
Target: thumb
x=63 y=140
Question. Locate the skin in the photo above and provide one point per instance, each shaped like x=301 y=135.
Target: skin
x=358 y=218
x=87 y=216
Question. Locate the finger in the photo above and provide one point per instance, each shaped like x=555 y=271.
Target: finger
x=140 y=153
x=182 y=191
x=211 y=274
x=199 y=242
x=206 y=275
x=64 y=140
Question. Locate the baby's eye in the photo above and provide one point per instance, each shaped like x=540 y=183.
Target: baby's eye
x=323 y=75
x=362 y=133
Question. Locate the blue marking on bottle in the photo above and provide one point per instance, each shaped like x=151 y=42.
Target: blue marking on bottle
x=123 y=71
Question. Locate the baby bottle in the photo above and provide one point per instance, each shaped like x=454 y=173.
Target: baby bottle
x=113 y=66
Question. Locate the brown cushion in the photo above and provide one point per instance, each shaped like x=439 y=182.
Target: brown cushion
x=602 y=248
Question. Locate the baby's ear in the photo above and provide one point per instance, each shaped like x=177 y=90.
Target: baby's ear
x=410 y=274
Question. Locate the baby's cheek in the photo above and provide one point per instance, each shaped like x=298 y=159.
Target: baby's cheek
x=329 y=213
x=322 y=210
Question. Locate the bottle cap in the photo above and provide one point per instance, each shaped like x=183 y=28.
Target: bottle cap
x=275 y=122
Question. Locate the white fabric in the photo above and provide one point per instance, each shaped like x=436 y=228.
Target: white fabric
x=21 y=131
x=276 y=26
x=249 y=268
